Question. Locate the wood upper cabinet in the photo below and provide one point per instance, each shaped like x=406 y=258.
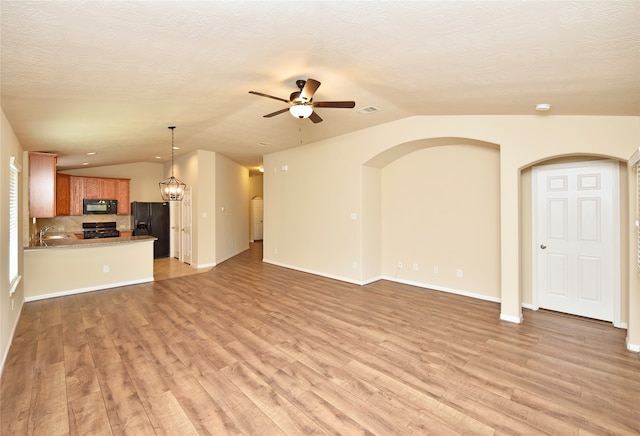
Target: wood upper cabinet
x=42 y=185
x=109 y=189
x=101 y=188
x=73 y=189
x=93 y=188
x=76 y=194
x=123 y=196
x=63 y=194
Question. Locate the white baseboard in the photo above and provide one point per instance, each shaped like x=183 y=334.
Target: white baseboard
x=205 y=265
x=13 y=333
x=316 y=273
x=632 y=347
x=444 y=289
x=90 y=289
x=509 y=318
x=391 y=279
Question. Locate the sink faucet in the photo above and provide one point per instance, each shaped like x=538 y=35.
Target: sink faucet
x=43 y=231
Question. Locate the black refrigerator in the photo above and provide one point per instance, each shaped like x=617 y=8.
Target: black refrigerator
x=152 y=219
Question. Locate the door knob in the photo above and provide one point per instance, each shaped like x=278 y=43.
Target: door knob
x=543 y=246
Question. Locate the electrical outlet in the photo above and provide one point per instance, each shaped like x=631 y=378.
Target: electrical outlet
x=105 y=268
x=436 y=270
x=459 y=272
x=355 y=265
x=415 y=267
x=399 y=264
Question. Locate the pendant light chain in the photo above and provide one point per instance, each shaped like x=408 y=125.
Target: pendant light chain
x=173 y=128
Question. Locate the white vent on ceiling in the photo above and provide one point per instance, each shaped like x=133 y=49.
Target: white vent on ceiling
x=368 y=110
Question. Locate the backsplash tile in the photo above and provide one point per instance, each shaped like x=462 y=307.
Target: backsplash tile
x=74 y=223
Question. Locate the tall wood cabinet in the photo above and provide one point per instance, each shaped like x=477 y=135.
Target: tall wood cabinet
x=69 y=194
x=63 y=194
x=123 y=196
x=42 y=185
x=77 y=192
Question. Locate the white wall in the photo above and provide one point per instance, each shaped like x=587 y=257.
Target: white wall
x=10 y=308
x=307 y=214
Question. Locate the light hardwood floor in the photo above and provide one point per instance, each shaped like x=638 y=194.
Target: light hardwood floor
x=170 y=268
x=254 y=349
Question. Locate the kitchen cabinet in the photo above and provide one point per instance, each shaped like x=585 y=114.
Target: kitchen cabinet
x=69 y=194
x=93 y=188
x=123 y=196
x=76 y=194
x=100 y=188
x=42 y=185
x=63 y=194
x=109 y=189
x=73 y=189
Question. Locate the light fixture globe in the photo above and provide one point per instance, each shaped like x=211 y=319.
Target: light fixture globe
x=172 y=189
x=301 y=110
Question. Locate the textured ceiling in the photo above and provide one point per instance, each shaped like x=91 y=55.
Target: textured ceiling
x=110 y=76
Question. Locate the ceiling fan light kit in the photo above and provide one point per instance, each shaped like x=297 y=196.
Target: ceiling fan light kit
x=301 y=102
x=301 y=111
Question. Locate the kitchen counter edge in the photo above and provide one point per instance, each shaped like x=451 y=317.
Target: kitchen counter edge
x=74 y=242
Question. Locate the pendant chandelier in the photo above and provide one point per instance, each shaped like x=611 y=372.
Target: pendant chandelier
x=172 y=189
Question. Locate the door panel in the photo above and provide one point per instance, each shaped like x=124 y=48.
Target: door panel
x=185 y=253
x=576 y=215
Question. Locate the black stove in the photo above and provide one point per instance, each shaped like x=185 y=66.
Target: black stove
x=100 y=230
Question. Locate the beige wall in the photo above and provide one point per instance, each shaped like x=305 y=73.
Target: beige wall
x=255 y=186
x=231 y=208
x=56 y=271
x=10 y=308
x=307 y=214
x=440 y=209
x=215 y=183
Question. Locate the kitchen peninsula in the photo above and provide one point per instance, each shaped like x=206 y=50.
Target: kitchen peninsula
x=61 y=264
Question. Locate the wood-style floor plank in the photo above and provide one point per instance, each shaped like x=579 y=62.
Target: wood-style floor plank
x=248 y=348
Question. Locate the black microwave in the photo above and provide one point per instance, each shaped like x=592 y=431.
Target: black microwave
x=97 y=207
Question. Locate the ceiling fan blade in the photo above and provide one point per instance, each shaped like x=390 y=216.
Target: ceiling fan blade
x=342 y=104
x=315 y=117
x=268 y=96
x=273 y=114
x=310 y=88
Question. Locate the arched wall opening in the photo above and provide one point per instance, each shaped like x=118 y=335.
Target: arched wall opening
x=438 y=201
x=526 y=226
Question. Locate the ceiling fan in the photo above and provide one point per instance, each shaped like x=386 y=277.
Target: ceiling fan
x=301 y=102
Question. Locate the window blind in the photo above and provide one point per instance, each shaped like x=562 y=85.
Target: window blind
x=13 y=225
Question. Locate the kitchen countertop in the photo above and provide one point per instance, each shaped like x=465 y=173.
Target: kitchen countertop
x=68 y=240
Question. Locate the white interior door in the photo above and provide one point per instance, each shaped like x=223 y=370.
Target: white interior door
x=256 y=219
x=185 y=252
x=576 y=239
x=175 y=208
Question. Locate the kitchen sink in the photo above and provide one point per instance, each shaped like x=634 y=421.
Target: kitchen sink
x=58 y=236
